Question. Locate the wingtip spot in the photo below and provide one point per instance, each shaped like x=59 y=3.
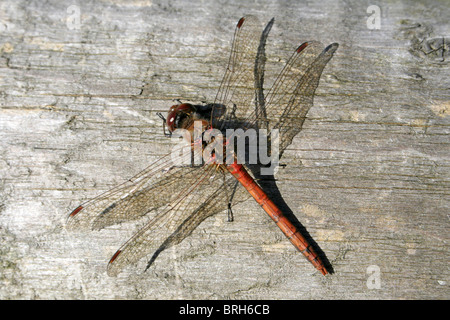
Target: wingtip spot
x=302 y=47
x=241 y=22
x=74 y=212
x=115 y=256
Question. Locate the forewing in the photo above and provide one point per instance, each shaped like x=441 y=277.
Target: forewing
x=153 y=187
x=236 y=96
x=240 y=102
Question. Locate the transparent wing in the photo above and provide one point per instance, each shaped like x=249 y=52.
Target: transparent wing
x=236 y=96
x=181 y=197
x=152 y=188
x=240 y=102
x=208 y=196
x=291 y=96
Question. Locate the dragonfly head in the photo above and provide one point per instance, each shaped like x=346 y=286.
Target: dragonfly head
x=177 y=114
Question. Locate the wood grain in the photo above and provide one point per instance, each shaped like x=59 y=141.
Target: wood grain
x=368 y=176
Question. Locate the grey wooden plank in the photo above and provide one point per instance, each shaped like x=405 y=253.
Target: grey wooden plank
x=367 y=177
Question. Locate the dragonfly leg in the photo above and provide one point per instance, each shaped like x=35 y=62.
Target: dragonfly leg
x=159 y=114
x=229 y=200
x=230 y=213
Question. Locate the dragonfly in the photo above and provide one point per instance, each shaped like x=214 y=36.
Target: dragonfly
x=179 y=197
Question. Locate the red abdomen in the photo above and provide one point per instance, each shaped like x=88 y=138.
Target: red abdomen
x=291 y=232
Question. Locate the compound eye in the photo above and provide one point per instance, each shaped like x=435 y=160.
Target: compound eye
x=176 y=113
x=171 y=122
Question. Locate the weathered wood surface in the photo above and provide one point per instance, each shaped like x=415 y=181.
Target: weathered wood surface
x=368 y=177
